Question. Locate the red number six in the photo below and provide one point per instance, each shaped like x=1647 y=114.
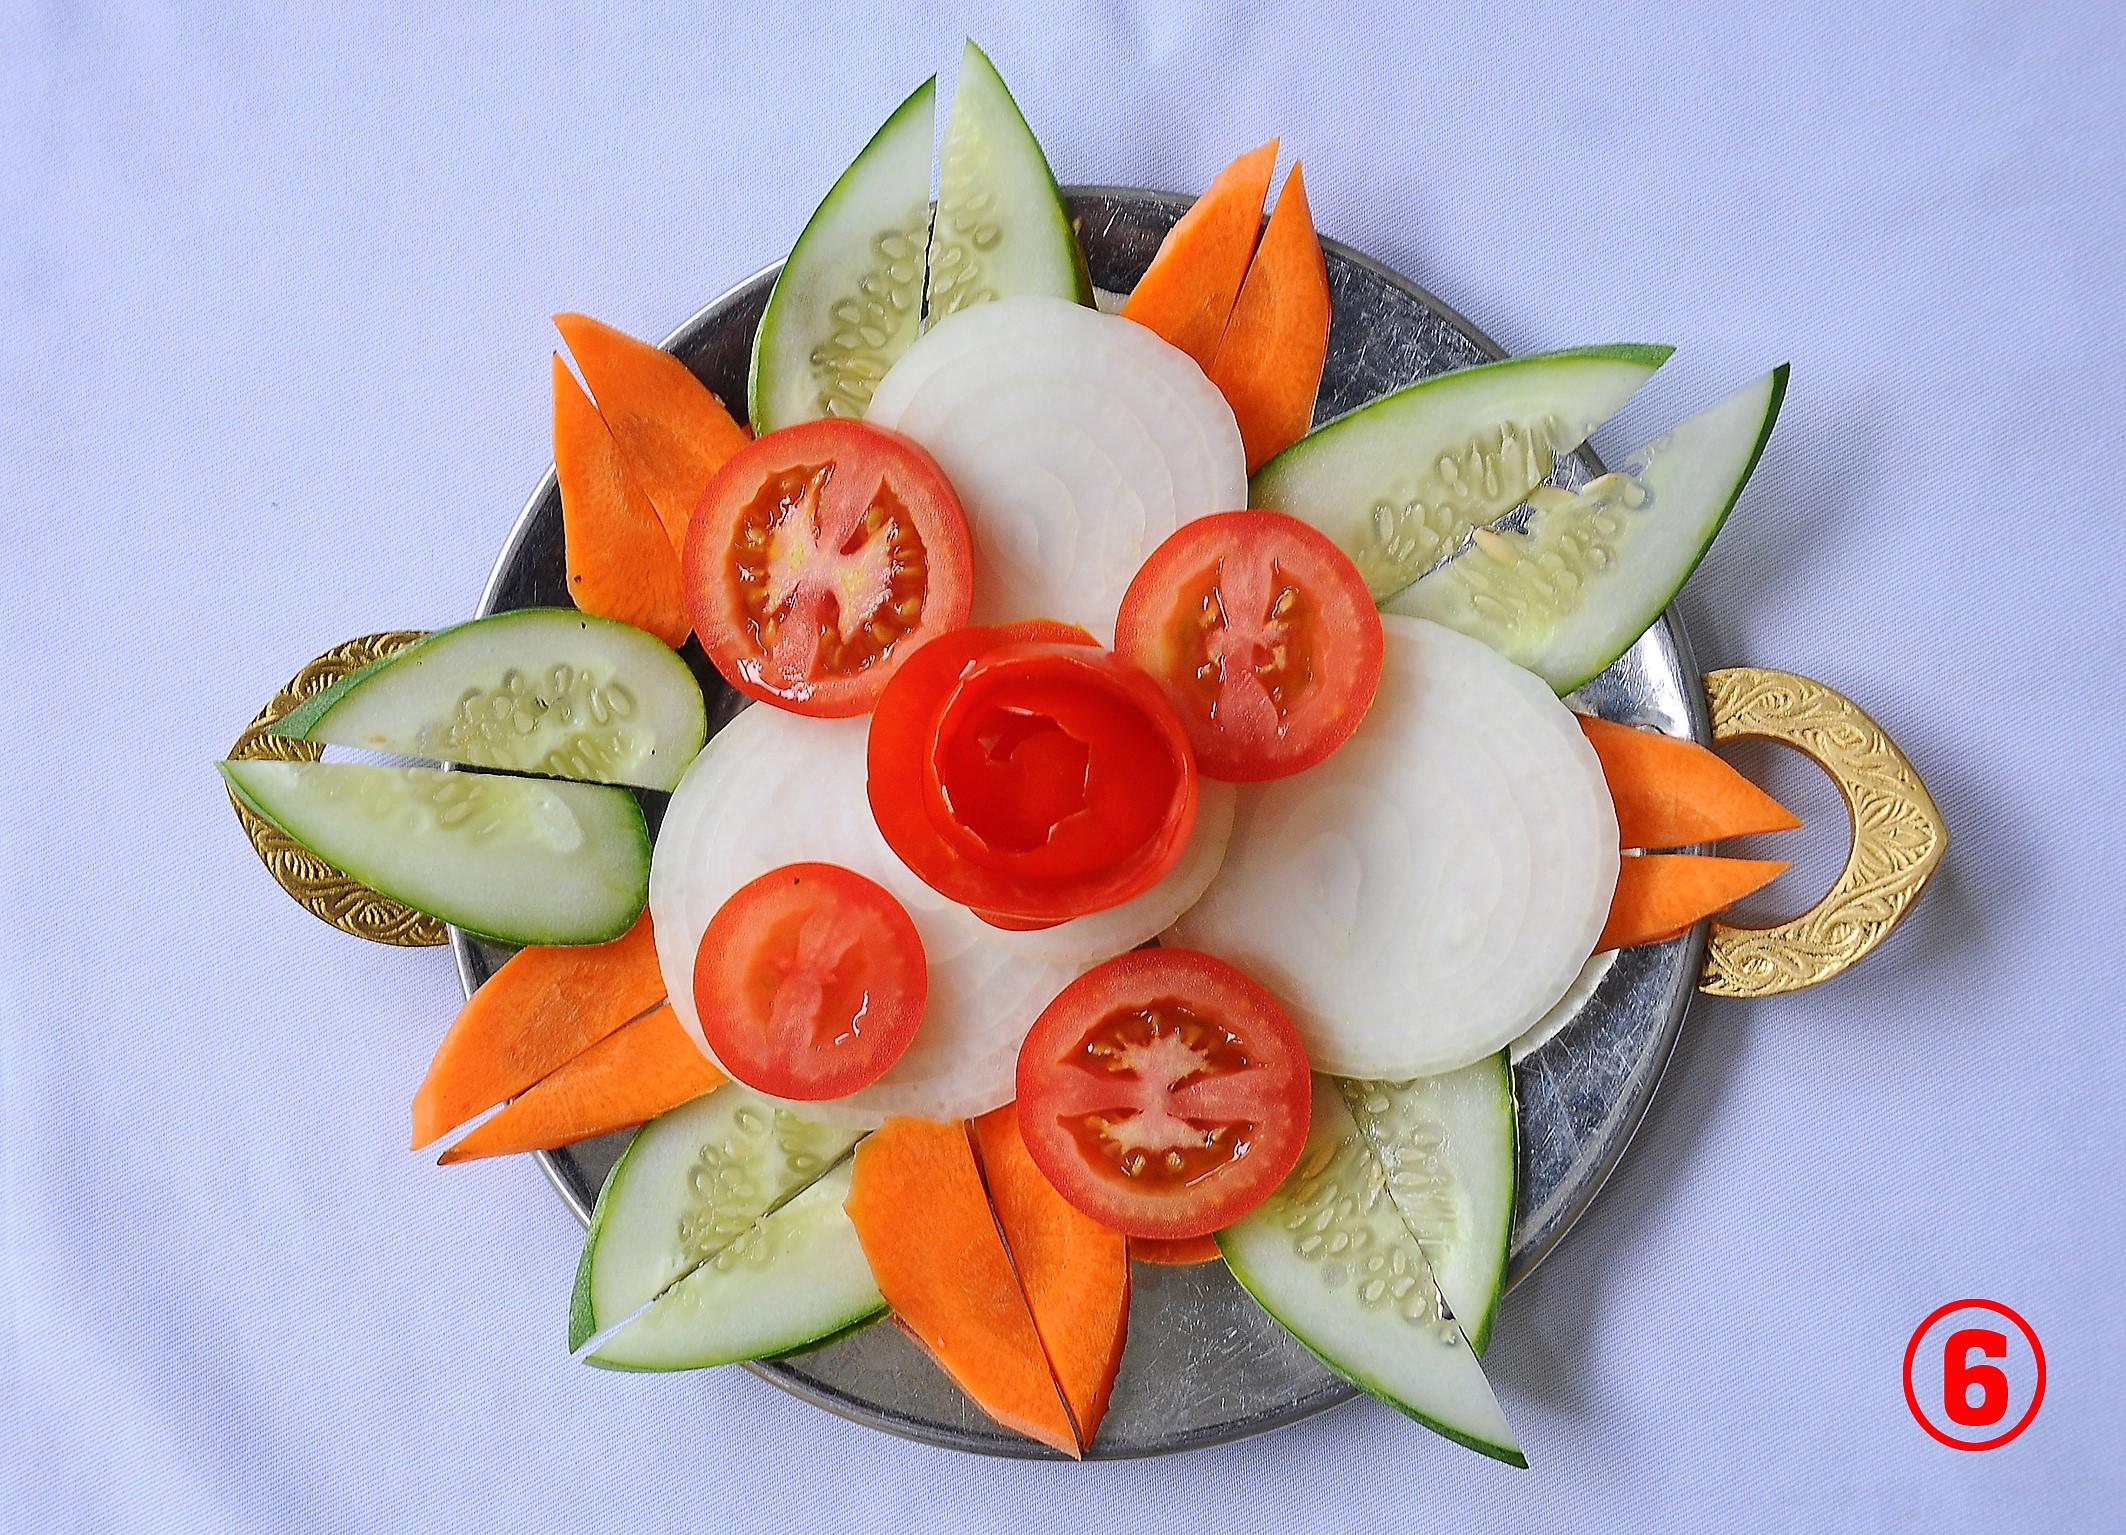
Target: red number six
x=1959 y=1375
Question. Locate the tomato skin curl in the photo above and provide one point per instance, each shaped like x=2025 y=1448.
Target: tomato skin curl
x=1029 y=775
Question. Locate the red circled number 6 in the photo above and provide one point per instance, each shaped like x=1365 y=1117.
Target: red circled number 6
x=1959 y=1375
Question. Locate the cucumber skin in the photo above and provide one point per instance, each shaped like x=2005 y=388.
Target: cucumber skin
x=1497 y=1452
x=517 y=940
x=582 y=1312
x=1480 y=1339
x=1565 y=681
x=1479 y=1335
x=831 y=1335
x=1565 y=685
x=1651 y=355
x=925 y=93
x=298 y=723
x=1067 y=230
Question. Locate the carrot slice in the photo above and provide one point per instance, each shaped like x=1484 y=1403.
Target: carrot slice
x=1074 y=1271
x=541 y=1010
x=1178 y=1251
x=1670 y=793
x=620 y=564
x=672 y=431
x=1659 y=895
x=629 y=1077
x=1187 y=293
x=927 y=1231
x=1269 y=361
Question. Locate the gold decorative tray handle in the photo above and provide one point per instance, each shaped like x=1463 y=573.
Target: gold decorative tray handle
x=317 y=887
x=1898 y=836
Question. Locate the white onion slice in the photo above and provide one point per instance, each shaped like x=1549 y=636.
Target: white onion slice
x=1570 y=1006
x=773 y=788
x=1077 y=442
x=1430 y=891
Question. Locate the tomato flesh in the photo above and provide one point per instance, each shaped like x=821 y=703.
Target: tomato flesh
x=1263 y=634
x=1164 y=1093
x=1029 y=775
x=820 y=556
x=810 y=982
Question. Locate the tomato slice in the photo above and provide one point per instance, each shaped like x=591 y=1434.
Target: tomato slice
x=819 y=557
x=1264 y=636
x=1164 y=1093
x=1027 y=774
x=810 y=982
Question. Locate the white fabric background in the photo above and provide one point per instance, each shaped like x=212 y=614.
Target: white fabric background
x=273 y=332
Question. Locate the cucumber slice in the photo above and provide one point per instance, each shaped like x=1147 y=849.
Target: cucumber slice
x=1589 y=572
x=1002 y=229
x=1401 y=481
x=789 y=1281
x=540 y=690
x=850 y=298
x=518 y=860
x=1448 y=1146
x=1329 y=1257
x=688 y=1186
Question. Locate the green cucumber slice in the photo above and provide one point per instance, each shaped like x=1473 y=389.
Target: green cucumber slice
x=1329 y=1257
x=1448 y=1146
x=1400 y=482
x=1589 y=572
x=690 y=1183
x=792 y=1279
x=1002 y=229
x=850 y=298
x=518 y=860
x=540 y=690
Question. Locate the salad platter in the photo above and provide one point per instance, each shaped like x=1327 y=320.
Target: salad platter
x=1353 y=849
x=1222 y=1368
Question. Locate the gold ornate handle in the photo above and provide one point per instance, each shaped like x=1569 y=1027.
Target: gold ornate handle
x=1898 y=834
x=315 y=885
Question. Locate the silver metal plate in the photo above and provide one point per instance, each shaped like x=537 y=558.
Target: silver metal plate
x=1204 y=1364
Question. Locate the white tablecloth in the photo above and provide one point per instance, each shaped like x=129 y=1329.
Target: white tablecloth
x=274 y=317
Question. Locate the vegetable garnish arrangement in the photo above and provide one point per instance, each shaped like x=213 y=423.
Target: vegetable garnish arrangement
x=1019 y=816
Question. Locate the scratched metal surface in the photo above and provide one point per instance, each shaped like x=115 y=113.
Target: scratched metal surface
x=1204 y=1364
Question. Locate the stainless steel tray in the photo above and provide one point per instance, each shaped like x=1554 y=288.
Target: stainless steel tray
x=1204 y=1364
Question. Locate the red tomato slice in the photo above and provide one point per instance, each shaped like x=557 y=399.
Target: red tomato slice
x=1264 y=636
x=819 y=557
x=1029 y=775
x=1164 y=1093
x=810 y=982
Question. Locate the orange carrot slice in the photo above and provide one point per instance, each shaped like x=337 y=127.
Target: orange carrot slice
x=1660 y=895
x=927 y=1231
x=1670 y=792
x=620 y=564
x=1187 y=293
x=1177 y=1251
x=1073 y=1270
x=628 y=1078
x=672 y=431
x=1269 y=361
x=542 y=1009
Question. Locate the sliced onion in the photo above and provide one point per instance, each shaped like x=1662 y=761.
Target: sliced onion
x=1077 y=442
x=1432 y=890
x=773 y=788
x=1570 y=1006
